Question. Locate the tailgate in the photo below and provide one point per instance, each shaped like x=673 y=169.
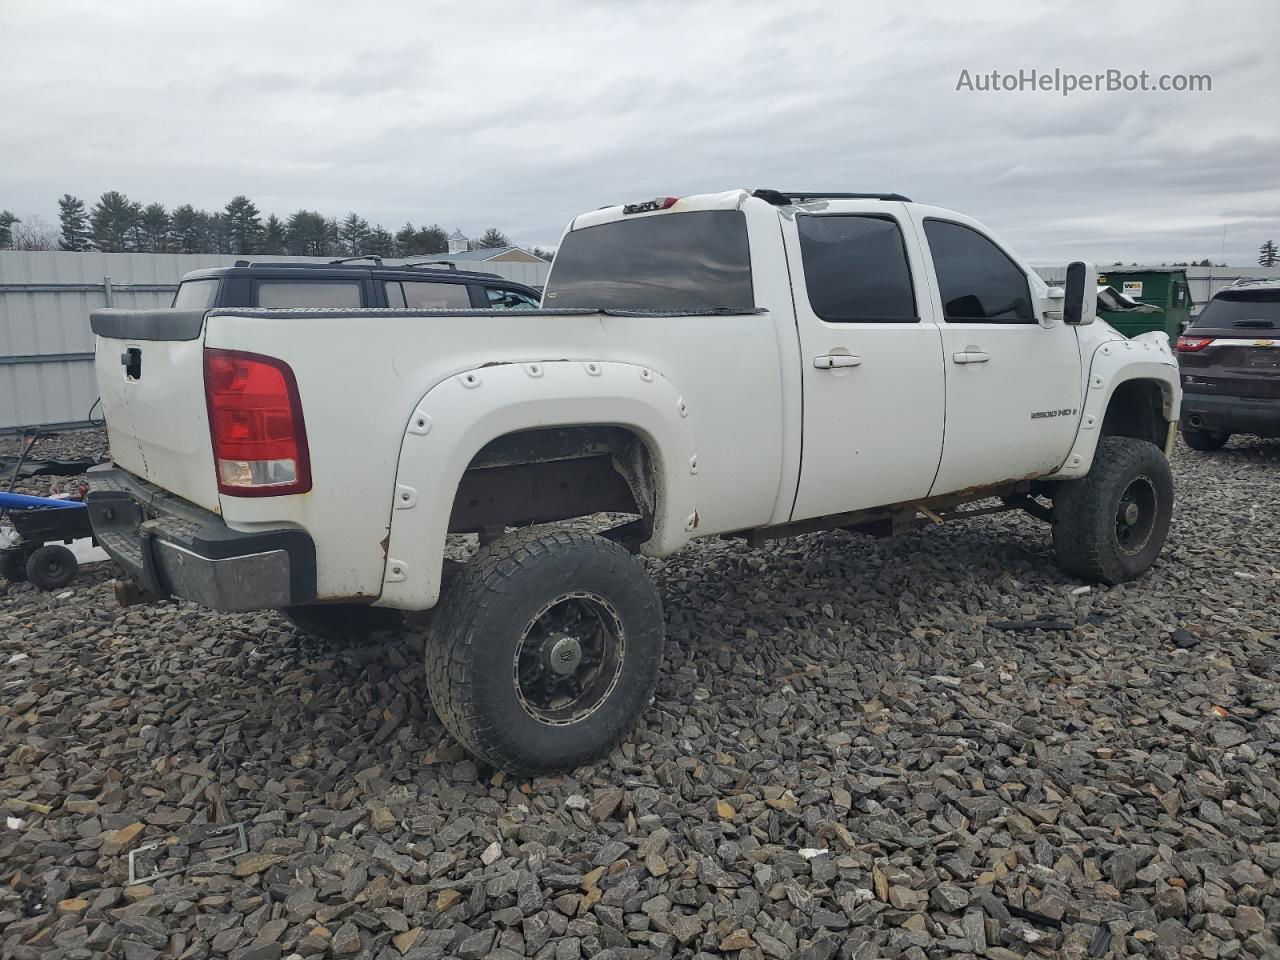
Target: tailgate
x=150 y=367
x=1234 y=366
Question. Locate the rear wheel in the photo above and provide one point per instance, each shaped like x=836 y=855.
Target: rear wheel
x=545 y=649
x=342 y=622
x=52 y=567
x=1204 y=440
x=13 y=566
x=1111 y=524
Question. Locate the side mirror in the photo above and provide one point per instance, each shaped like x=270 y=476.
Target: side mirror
x=1080 y=299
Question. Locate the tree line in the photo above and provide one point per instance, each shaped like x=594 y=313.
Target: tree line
x=117 y=224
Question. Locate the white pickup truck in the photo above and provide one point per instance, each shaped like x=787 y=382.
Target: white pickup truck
x=751 y=363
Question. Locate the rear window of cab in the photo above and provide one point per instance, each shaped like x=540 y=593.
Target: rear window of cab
x=677 y=261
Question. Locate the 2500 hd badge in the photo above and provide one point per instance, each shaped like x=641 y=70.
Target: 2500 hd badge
x=1046 y=414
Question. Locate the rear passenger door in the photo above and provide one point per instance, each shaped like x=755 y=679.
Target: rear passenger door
x=871 y=359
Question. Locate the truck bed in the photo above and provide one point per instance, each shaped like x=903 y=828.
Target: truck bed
x=361 y=374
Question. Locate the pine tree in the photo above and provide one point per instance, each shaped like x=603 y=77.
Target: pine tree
x=155 y=228
x=184 y=229
x=307 y=233
x=1268 y=255
x=433 y=239
x=381 y=243
x=273 y=237
x=244 y=225
x=406 y=241
x=353 y=234
x=116 y=222
x=217 y=229
x=7 y=220
x=75 y=223
x=493 y=237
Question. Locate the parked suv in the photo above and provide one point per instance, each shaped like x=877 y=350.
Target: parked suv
x=1230 y=360
x=355 y=282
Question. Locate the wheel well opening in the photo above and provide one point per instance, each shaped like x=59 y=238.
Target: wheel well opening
x=1136 y=410
x=557 y=473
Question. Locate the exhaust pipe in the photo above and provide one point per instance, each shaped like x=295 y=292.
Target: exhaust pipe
x=1196 y=420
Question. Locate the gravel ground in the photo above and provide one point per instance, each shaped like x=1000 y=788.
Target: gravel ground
x=845 y=758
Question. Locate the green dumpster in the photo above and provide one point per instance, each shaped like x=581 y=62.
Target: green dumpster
x=1150 y=298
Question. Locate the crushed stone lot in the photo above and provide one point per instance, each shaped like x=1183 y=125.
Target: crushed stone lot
x=845 y=757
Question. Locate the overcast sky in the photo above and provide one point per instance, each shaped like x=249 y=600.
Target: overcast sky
x=523 y=114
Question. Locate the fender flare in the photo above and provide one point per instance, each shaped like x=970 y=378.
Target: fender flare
x=458 y=416
x=1146 y=357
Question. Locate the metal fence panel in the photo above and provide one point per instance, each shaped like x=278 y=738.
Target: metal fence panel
x=46 y=346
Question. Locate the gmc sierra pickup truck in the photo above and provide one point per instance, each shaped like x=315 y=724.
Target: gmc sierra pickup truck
x=748 y=364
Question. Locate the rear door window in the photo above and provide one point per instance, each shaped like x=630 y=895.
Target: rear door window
x=503 y=299
x=196 y=294
x=855 y=269
x=309 y=293
x=425 y=295
x=674 y=261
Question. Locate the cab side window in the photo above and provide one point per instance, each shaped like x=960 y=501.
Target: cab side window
x=309 y=293
x=500 y=299
x=977 y=280
x=424 y=295
x=855 y=269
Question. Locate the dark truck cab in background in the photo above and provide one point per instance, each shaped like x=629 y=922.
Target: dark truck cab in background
x=351 y=283
x=1229 y=360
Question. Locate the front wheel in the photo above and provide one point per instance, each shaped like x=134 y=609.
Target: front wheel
x=545 y=649
x=1111 y=524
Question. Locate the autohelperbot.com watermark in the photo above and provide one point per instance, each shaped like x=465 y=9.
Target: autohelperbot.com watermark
x=1066 y=82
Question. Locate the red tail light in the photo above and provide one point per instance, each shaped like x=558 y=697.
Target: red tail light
x=255 y=419
x=1192 y=344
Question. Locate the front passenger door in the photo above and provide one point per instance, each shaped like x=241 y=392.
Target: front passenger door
x=1013 y=383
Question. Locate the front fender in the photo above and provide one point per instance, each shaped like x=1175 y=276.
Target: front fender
x=457 y=417
x=1145 y=357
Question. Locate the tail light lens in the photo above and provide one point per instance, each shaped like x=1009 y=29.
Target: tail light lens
x=255 y=419
x=1192 y=344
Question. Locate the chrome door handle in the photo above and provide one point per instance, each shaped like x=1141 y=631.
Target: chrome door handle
x=833 y=360
x=971 y=356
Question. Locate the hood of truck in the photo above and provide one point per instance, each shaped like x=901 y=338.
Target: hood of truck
x=151 y=380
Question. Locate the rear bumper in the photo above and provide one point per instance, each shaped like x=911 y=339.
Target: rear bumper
x=1231 y=414
x=176 y=549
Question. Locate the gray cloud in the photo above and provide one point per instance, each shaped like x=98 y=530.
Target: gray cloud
x=523 y=115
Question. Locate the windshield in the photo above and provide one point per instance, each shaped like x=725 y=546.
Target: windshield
x=195 y=294
x=680 y=261
x=1248 y=308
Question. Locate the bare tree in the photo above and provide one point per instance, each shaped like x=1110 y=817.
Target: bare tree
x=34 y=233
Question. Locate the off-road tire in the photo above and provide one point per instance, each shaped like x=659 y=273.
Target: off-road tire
x=52 y=566
x=1206 y=441
x=473 y=647
x=1086 y=540
x=342 y=622
x=13 y=565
